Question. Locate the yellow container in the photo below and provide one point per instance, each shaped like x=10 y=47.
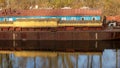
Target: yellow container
x=35 y=24
x=6 y=24
x=80 y=24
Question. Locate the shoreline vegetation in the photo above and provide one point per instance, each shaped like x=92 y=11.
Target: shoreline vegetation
x=109 y=7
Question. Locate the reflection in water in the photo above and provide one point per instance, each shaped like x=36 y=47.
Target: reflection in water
x=82 y=61
x=107 y=59
x=96 y=61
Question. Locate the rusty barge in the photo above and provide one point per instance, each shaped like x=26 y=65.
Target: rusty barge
x=57 y=30
x=59 y=41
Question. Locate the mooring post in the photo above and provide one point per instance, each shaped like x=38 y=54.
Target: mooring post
x=13 y=39
x=96 y=38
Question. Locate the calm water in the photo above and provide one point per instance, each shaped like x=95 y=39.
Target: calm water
x=107 y=59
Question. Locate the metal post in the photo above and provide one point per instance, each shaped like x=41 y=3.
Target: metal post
x=96 y=36
x=100 y=61
x=77 y=61
x=34 y=62
x=13 y=39
x=116 y=58
x=96 y=44
x=88 y=62
x=91 y=61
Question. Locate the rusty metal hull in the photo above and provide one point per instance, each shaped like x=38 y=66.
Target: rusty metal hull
x=64 y=35
x=72 y=40
x=59 y=35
